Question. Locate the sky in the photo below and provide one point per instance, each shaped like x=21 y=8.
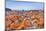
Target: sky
x=16 y=5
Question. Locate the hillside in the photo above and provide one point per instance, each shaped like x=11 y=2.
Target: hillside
x=31 y=19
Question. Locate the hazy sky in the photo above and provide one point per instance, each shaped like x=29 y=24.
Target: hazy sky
x=12 y=4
